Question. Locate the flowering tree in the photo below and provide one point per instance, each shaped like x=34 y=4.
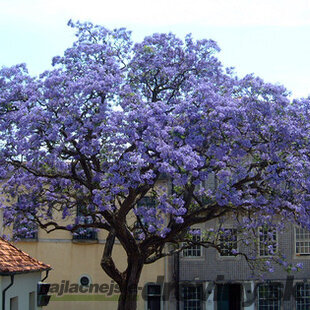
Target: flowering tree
x=111 y=118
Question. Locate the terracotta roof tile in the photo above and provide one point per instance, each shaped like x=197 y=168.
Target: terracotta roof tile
x=13 y=260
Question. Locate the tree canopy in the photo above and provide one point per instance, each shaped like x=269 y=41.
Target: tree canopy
x=113 y=117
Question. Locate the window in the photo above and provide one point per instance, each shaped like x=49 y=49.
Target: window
x=192 y=297
x=269 y=297
x=302 y=296
x=32 y=296
x=14 y=303
x=88 y=233
x=267 y=241
x=145 y=203
x=148 y=202
x=302 y=241
x=25 y=229
x=228 y=242
x=193 y=250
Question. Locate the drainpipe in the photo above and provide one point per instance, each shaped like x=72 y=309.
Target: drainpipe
x=177 y=279
x=1 y=222
x=176 y=270
x=4 y=291
x=46 y=275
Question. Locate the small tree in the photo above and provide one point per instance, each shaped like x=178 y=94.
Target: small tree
x=111 y=118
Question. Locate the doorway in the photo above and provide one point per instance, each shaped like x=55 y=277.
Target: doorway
x=153 y=297
x=229 y=296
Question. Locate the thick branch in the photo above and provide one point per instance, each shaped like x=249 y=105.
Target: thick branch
x=107 y=262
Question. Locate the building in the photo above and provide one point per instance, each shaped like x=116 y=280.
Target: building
x=210 y=280
x=77 y=280
x=19 y=278
x=196 y=279
x=205 y=278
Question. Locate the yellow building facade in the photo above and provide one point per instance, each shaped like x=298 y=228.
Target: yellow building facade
x=77 y=280
x=74 y=262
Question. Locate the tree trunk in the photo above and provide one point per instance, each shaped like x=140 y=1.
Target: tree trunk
x=129 y=289
x=128 y=298
x=127 y=280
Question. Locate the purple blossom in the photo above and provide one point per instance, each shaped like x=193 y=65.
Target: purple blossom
x=179 y=220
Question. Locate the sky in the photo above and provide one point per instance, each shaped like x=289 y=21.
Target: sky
x=270 y=38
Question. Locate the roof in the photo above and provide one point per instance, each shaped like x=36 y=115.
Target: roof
x=14 y=260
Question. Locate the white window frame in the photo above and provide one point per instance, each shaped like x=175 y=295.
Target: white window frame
x=305 y=241
x=303 y=300
x=188 y=253
x=262 y=303
x=228 y=242
x=262 y=247
x=193 y=303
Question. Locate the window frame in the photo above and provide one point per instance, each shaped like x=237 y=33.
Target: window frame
x=14 y=303
x=149 y=202
x=29 y=236
x=32 y=232
x=188 y=302
x=90 y=233
x=306 y=240
x=305 y=297
x=265 y=246
x=229 y=254
x=268 y=306
x=153 y=294
x=193 y=247
x=32 y=300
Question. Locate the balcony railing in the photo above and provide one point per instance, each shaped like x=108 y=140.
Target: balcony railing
x=85 y=234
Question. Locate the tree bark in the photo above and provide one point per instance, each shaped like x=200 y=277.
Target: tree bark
x=127 y=280
x=129 y=287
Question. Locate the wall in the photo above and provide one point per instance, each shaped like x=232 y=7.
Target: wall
x=71 y=260
x=214 y=269
x=211 y=264
x=23 y=285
